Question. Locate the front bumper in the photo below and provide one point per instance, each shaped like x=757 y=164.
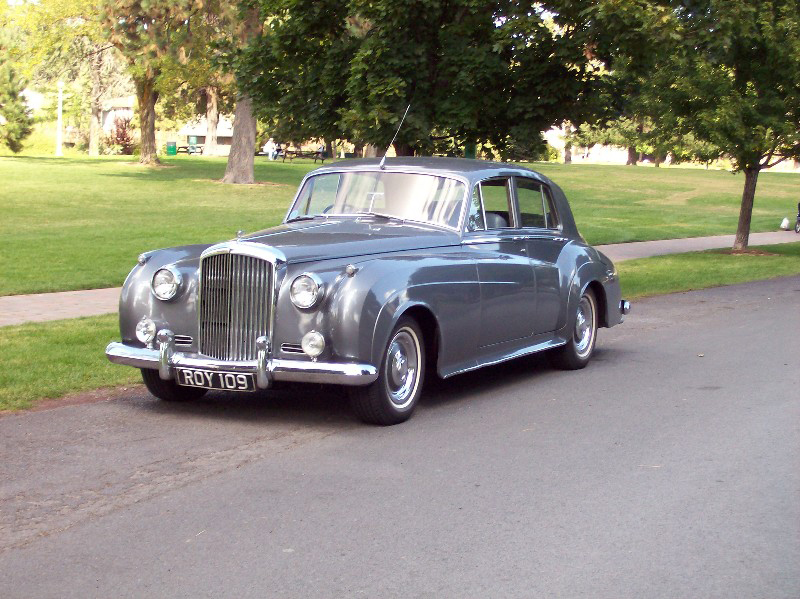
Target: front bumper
x=166 y=360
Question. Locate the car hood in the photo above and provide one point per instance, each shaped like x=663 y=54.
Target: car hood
x=339 y=238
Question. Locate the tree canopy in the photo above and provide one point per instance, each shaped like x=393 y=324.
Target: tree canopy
x=472 y=70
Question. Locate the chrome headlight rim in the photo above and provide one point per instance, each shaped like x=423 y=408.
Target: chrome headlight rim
x=313 y=344
x=177 y=282
x=319 y=291
x=146 y=331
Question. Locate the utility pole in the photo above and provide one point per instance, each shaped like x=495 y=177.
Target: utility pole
x=59 y=138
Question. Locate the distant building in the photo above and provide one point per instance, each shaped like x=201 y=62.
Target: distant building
x=115 y=108
x=195 y=132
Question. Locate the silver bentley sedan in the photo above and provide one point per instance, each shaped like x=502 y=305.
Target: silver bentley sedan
x=378 y=275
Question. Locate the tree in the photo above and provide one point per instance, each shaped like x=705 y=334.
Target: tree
x=197 y=86
x=240 y=168
x=733 y=79
x=64 y=41
x=726 y=72
x=15 y=119
x=474 y=71
x=148 y=33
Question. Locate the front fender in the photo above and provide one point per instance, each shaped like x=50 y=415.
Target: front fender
x=137 y=300
x=363 y=309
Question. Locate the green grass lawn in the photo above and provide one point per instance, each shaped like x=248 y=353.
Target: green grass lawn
x=79 y=223
x=700 y=270
x=51 y=359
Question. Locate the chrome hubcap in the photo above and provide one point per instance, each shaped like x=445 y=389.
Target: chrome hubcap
x=402 y=367
x=584 y=326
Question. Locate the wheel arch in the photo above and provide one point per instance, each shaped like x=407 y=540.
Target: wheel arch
x=602 y=302
x=431 y=333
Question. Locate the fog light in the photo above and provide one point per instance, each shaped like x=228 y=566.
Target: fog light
x=146 y=330
x=313 y=344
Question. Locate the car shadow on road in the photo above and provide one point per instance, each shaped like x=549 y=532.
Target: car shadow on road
x=306 y=404
x=324 y=405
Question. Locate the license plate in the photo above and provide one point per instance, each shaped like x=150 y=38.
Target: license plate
x=225 y=381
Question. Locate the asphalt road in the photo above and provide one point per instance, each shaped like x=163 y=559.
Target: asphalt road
x=670 y=467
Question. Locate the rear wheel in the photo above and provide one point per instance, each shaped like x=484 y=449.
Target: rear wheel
x=169 y=390
x=391 y=399
x=579 y=349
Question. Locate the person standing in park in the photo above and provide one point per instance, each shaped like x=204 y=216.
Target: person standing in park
x=270 y=149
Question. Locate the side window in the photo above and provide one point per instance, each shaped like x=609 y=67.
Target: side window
x=531 y=206
x=497 y=202
x=475 y=218
x=551 y=215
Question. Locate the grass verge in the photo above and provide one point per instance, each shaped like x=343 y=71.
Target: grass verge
x=51 y=359
x=79 y=223
x=712 y=268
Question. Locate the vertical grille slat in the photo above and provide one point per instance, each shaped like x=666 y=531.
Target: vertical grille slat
x=233 y=305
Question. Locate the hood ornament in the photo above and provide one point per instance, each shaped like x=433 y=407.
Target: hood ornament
x=239 y=234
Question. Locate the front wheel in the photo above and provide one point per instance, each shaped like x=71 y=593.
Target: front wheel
x=579 y=349
x=391 y=399
x=169 y=390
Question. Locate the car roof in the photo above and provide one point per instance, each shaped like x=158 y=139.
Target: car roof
x=470 y=169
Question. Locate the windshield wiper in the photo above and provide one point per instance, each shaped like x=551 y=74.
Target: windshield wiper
x=302 y=217
x=381 y=215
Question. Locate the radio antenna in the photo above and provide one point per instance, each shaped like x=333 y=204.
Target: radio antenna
x=383 y=160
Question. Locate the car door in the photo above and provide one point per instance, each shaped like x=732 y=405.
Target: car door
x=506 y=278
x=540 y=225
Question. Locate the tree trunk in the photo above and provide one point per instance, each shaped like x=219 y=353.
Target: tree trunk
x=358 y=150
x=657 y=160
x=240 y=168
x=633 y=156
x=95 y=128
x=403 y=149
x=370 y=151
x=212 y=120
x=147 y=97
x=568 y=153
x=241 y=160
x=95 y=125
x=746 y=211
x=329 y=148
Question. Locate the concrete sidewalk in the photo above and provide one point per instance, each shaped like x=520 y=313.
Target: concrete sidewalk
x=40 y=307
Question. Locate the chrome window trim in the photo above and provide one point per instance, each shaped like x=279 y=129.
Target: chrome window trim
x=510 y=198
x=403 y=171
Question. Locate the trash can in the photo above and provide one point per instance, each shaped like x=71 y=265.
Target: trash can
x=172 y=148
x=470 y=150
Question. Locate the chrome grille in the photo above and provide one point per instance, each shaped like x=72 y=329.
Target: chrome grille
x=234 y=305
x=183 y=339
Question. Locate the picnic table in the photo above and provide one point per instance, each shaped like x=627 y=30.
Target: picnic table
x=314 y=154
x=191 y=149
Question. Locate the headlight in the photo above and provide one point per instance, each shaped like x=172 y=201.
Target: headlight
x=306 y=290
x=166 y=283
x=313 y=343
x=146 y=330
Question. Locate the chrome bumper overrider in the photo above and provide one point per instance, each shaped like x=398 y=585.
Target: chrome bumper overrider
x=624 y=308
x=165 y=360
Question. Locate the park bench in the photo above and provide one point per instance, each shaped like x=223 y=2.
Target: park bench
x=315 y=155
x=191 y=149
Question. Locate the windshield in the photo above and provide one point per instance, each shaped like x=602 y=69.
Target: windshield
x=421 y=198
